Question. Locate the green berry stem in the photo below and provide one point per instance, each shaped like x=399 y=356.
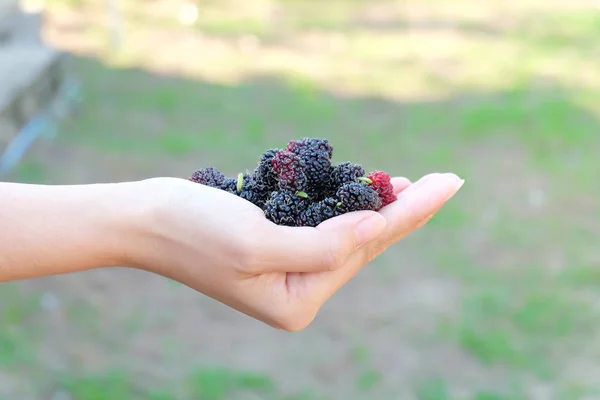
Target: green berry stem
x=366 y=180
x=302 y=194
x=240 y=181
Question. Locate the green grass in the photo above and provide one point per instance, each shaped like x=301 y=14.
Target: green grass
x=219 y=384
x=432 y=389
x=556 y=31
x=526 y=324
x=551 y=121
x=202 y=383
x=368 y=380
x=361 y=354
x=437 y=389
x=30 y=172
x=17 y=338
x=114 y=384
x=410 y=102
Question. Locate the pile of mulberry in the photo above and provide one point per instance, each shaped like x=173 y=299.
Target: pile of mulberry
x=299 y=186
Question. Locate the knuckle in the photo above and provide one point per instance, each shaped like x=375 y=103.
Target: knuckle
x=371 y=252
x=247 y=258
x=376 y=251
x=369 y=255
x=335 y=258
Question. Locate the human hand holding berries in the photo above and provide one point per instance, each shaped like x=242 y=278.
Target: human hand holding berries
x=224 y=247
x=258 y=243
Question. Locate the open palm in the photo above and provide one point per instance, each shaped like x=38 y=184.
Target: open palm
x=224 y=247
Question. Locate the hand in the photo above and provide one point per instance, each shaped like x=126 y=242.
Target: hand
x=224 y=247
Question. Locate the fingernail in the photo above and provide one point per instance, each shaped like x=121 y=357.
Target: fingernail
x=369 y=228
x=455 y=189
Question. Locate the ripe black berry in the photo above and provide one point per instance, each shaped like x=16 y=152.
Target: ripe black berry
x=318 y=171
x=208 y=176
x=298 y=146
x=264 y=174
x=318 y=212
x=245 y=186
x=283 y=208
x=229 y=185
x=316 y=154
x=357 y=196
x=291 y=170
x=345 y=172
x=298 y=185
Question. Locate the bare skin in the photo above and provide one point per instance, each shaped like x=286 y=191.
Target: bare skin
x=207 y=239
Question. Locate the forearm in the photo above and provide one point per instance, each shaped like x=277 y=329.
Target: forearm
x=47 y=230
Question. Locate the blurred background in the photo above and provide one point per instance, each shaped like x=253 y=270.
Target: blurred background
x=495 y=299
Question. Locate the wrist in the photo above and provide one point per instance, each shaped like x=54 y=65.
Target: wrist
x=136 y=210
x=121 y=232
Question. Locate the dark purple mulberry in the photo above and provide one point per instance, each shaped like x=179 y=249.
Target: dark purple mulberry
x=229 y=185
x=318 y=171
x=316 y=154
x=345 y=172
x=290 y=169
x=208 y=176
x=299 y=186
x=264 y=174
x=357 y=196
x=318 y=212
x=298 y=146
x=283 y=208
x=246 y=187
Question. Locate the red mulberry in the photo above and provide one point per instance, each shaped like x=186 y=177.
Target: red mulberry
x=383 y=186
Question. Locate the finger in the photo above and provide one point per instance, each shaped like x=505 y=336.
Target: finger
x=324 y=248
x=399 y=184
x=423 y=222
x=403 y=217
x=418 y=203
x=422 y=181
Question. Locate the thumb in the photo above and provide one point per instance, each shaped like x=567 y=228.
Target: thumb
x=360 y=227
x=324 y=248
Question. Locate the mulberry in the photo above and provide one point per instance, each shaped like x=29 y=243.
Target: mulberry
x=382 y=184
x=264 y=174
x=316 y=155
x=283 y=208
x=357 y=196
x=290 y=169
x=208 y=176
x=299 y=146
x=345 y=172
x=299 y=186
x=247 y=188
x=318 y=212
